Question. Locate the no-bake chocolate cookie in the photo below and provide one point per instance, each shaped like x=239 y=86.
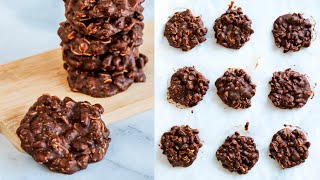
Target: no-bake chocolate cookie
x=64 y=135
x=238 y=153
x=103 y=28
x=107 y=62
x=184 y=31
x=84 y=9
x=105 y=84
x=292 y=31
x=289 y=147
x=187 y=87
x=79 y=44
x=289 y=89
x=235 y=88
x=233 y=28
x=181 y=145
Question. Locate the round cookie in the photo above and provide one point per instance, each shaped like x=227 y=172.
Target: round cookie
x=187 y=87
x=289 y=89
x=238 y=153
x=233 y=28
x=104 y=84
x=235 y=88
x=64 y=135
x=103 y=28
x=289 y=147
x=292 y=31
x=181 y=145
x=82 y=45
x=84 y=9
x=107 y=62
x=184 y=31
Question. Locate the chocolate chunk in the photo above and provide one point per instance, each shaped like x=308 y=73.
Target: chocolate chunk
x=84 y=9
x=104 y=84
x=185 y=31
x=107 y=62
x=181 y=145
x=246 y=126
x=233 y=28
x=235 y=88
x=188 y=86
x=292 y=31
x=238 y=153
x=289 y=89
x=64 y=135
x=103 y=28
x=289 y=147
x=79 y=44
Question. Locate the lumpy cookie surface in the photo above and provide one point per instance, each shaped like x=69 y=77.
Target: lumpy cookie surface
x=88 y=9
x=292 y=32
x=184 y=31
x=235 y=88
x=64 y=135
x=289 y=147
x=289 y=89
x=233 y=28
x=238 y=153
x=105 y=84
x=181 y=145
x=82 y=45
x=187 y=87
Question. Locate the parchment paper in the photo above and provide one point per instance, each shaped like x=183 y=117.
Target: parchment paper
x=260 y=58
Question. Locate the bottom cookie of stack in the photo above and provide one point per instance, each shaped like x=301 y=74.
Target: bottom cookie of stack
x=100 y=83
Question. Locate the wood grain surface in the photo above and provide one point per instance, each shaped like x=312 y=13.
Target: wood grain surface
x=23 y=81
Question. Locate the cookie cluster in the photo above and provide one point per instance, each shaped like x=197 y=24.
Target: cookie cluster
x=100 y=45
x=64 y=135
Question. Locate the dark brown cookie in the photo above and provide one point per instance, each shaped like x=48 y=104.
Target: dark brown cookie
x=104 y=84
x=107 y=62
x=235 y=88
x=80 y=45
x=233 y=28
x=292 y=31
x=238 y=153
x=84 y=9
x=181 y=145
x=289 y=147
x=64 y=135
x=103 y=28
x=185 y=31
x=289 y=89
x=187 y=87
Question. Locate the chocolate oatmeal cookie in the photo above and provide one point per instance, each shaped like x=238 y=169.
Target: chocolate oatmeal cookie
x=292 y=31
x=235 y=88
x=185 y=31
x=289 y=89
x=82 y=45
x=64 y=135
x=103 y=28
x=238 y=153
x=107 y=62
x=181 y=145
x=289 y=147
x=187 y=87
x=104 y=84
x=233 y=28
x=84 y=9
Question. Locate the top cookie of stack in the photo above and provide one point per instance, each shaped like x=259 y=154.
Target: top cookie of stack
x=100 y=41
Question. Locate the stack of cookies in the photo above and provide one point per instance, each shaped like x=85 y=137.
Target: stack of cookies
x=100 y=41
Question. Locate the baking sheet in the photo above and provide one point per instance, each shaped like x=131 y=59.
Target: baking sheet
x=260 y=58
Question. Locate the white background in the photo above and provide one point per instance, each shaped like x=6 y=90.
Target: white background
x=215 y=120
x=30 y=27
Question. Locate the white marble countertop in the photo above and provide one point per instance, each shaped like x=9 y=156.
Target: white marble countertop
x=30 y=28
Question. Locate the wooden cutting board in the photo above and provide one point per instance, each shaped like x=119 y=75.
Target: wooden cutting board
x=23 y=81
